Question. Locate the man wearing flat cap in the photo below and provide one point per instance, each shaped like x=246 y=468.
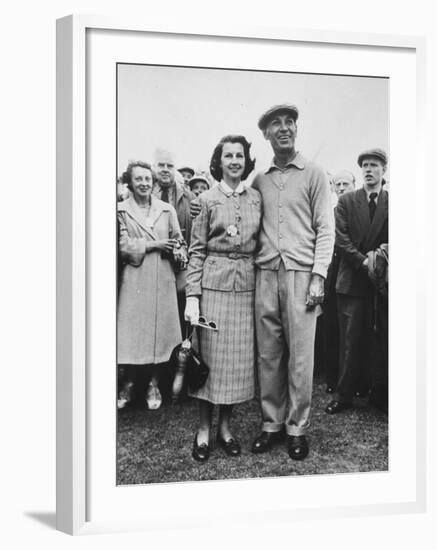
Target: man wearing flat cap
x=295 y=247
x=187 y=173
x=361 y=227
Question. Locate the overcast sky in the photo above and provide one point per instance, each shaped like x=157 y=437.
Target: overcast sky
x=187 y=110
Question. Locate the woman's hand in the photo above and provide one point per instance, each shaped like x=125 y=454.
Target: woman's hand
x=165 y=245
x=192 y=310
x=180 y=256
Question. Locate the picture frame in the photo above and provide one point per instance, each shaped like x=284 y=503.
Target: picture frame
x=76 y=344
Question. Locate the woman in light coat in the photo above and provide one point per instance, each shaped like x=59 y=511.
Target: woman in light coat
x=149 y=237
x=220 y=287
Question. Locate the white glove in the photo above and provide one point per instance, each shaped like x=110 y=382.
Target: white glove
x=192 y=310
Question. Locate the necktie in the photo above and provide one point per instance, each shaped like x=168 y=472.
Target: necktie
x=164 y=195
x=372 y=205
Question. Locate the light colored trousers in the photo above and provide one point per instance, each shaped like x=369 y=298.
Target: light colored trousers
x=285 y=332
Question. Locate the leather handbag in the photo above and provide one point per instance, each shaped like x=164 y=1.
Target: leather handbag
x=197 y=371
x=188 y=366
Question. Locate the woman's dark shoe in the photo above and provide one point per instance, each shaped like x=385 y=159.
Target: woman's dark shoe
x=266 y=440
x=231 y=446
x=200 y=452
x=297 y=447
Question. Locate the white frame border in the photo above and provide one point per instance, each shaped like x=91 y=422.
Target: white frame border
x=71 y=431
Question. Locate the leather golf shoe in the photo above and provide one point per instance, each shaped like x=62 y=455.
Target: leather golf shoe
x=297 y=447
x=265 y=441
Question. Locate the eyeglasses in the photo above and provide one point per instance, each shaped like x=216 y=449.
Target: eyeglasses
x=204 y=323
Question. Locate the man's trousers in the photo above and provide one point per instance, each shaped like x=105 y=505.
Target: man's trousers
x=285 y=330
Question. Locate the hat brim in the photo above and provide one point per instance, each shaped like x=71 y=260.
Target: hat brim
x=361 y=158
x=198 y=180
x=269 y=115
x=186 y=169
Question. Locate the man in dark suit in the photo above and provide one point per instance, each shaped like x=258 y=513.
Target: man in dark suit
x=342 y=182
x=361 y=227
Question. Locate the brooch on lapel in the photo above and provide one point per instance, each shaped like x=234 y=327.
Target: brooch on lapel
x=232 y=230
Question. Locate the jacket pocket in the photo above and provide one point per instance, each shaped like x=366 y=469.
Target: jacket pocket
x=218 y=274
x=245 y=275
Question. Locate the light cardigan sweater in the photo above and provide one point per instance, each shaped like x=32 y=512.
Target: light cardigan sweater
x=298 y=221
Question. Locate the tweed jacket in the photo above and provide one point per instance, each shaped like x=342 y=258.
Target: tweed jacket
x=355 y=237
x=148 y=324
x=181 y=203
x=220 y=259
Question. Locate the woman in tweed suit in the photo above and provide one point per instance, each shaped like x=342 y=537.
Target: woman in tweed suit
x=220 y=286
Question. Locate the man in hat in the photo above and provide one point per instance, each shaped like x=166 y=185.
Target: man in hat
x=198 y=184
x=295 y=248
x=361 y=227
x=187 y=173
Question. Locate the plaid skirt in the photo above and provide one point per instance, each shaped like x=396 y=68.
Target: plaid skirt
x=229 y=352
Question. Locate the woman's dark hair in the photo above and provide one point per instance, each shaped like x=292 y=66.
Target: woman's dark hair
x=126 y=177
x=215 y=164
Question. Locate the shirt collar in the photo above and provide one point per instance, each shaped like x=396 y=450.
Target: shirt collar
x=369 y=192
x=298 y=162
x=228 y=191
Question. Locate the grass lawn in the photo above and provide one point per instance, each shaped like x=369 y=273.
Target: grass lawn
x=155 y=446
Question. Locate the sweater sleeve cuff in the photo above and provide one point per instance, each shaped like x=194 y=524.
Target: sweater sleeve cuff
x=320 y=269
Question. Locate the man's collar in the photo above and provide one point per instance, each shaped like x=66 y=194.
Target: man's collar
x=228 y=191
x=175 y=189
x=298 y=162
x=377 y=191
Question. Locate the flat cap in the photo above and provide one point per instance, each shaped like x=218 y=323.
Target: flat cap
x=194 y=179
x=186 y=169
x=275 y=110
x=373 y=153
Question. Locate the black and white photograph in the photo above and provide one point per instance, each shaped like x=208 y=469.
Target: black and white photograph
x=252 y=273
x=209 y=346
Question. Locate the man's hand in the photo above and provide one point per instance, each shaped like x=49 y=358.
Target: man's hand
x=366 y=264
x=195 y=208
x=316 y=291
